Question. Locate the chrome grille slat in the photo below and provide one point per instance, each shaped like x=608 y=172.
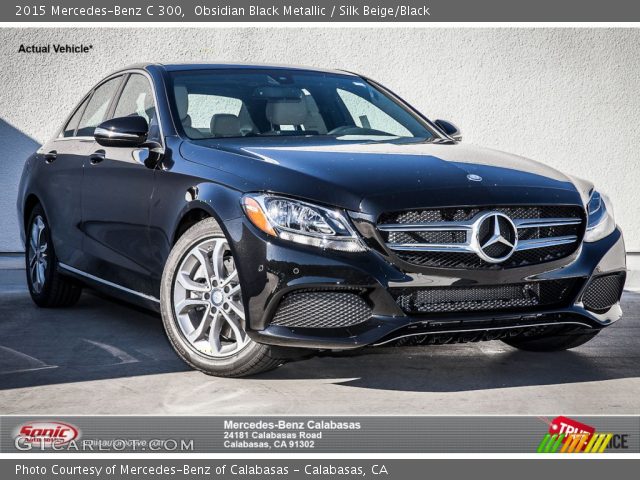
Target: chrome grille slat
x=426 y=227
x=545 y=242
x=545 y=222
x=462 y=247
x=430 y=247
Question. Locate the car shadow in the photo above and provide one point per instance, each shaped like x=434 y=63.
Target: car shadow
x=98 y=338
x=101 y=338
x=458 y=368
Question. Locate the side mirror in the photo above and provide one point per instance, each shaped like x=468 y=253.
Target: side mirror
x=122 y=132
x=450 y=129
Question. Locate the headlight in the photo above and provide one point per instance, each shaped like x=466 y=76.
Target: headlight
x=301 y=222
x=600 y=222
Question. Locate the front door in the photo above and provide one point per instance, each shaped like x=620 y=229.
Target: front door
x=116 y=195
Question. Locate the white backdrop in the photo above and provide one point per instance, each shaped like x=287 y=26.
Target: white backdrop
x=566 y=97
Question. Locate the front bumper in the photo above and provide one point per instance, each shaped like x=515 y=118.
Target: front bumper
x=270 y=269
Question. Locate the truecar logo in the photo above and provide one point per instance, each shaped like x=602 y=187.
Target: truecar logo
x=570 y=436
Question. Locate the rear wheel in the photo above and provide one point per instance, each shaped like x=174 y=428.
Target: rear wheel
x=202 y=310
x=551 y=342
x=48 y=288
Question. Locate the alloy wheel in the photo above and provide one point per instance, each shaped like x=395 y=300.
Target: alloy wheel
x=207 y=300
x=38 y=254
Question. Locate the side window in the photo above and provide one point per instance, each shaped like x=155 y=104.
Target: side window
x=70 y=129
x=137 y=99
x=97 y=109
x=366 y=115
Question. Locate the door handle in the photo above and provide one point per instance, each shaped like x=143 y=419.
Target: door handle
x=50 y=156
x=97 y=157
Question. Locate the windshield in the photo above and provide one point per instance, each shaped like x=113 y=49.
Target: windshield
x=234 y=103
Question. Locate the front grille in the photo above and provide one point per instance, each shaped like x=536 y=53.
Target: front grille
x=442 y=237
x=603 y=292
x=415 y=301
x=321 y=309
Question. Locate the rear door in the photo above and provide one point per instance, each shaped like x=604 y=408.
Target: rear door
x=116 y=196
x=62 y=164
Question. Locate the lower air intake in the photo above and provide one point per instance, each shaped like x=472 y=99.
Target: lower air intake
x=518 y=296
x=321 y=309
x=603 y=292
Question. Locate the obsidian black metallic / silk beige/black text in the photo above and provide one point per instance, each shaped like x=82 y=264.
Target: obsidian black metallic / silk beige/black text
x=268 y=212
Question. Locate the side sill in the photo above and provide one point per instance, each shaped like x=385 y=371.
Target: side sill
x=75 y=271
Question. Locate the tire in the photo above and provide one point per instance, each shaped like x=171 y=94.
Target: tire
x=48 y=288
x=551 y=342
x=221 y=351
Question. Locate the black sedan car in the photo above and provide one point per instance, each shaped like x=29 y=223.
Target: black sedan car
x=269 y=211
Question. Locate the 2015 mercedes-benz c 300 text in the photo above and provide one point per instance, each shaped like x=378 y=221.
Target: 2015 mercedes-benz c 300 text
x=271 y=211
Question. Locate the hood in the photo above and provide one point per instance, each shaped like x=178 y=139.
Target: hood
x=375 y=176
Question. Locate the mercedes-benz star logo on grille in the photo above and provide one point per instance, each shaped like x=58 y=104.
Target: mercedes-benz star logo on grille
x=496 y=237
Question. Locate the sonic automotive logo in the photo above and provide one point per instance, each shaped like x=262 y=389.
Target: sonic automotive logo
x=45 y=434
x=570 y=436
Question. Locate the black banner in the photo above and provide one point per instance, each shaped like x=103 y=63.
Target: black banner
x=421 y=11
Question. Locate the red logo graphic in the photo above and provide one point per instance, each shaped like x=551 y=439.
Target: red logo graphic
x=570 y=427
x=47 y=433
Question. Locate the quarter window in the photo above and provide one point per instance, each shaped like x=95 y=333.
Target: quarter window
x=70 y=128
x=137 y=99
x=98 y=107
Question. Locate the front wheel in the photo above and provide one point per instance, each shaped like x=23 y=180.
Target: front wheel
x=202 y=310
x=551 y=342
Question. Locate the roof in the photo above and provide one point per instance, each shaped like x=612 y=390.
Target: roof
x=181 y=66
